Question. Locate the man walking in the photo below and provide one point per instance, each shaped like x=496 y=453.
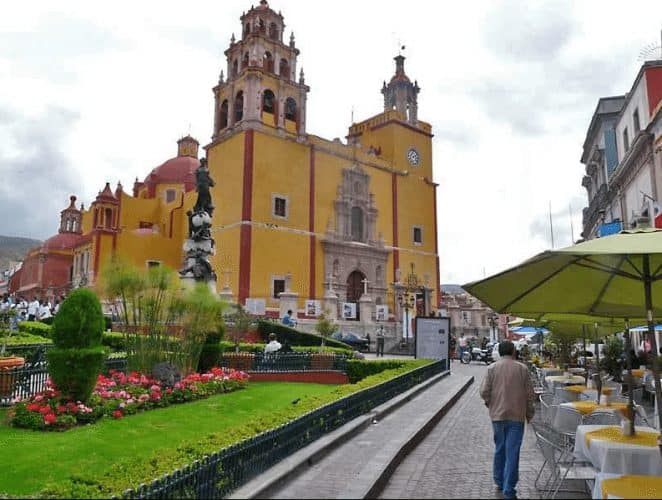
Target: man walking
x=508 y=393
x=380 y=341
x=462 y=344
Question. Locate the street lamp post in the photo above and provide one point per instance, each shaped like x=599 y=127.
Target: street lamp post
x=494 y=321
x=407 y=302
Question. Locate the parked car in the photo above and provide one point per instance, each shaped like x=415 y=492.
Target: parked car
x=352 y=339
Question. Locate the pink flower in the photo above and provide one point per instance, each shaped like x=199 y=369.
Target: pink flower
x=117 y=414
x=155 y=388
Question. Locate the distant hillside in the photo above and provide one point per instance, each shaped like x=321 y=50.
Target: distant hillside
x=14 y=248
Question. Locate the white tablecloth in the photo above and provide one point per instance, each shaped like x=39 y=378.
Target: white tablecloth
x=618 y=458
x=561 y=379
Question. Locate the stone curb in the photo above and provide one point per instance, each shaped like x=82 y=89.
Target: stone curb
x=289 y=467
x=412 y=442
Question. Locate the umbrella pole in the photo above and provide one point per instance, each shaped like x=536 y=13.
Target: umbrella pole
x=628 y=360
x=651 y=331
x=585 y=365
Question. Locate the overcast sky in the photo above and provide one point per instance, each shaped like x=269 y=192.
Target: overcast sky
x=100 y=91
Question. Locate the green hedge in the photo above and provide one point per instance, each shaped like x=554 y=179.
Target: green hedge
x=34 y=328
x=358 y=369
x=294 y=337
x=26 y=339
x=129 y=474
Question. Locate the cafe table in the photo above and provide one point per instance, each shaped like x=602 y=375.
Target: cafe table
x=610 y=451
x=572 y=392
x=626 y=486
x=564 y=380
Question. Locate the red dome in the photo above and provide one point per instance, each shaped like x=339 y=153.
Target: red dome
x=178 y=170
x=62 y=241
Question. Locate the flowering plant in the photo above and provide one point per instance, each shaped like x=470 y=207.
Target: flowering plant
x=118 y=395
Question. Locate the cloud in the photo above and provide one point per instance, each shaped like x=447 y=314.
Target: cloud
x=524 y=30
x=42 y=177
x=50 y=48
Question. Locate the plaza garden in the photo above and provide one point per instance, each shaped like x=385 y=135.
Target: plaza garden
x=169 y=399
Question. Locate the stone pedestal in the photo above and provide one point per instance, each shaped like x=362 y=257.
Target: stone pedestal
x=330 y=305
x=366 y=308
x=288 y=301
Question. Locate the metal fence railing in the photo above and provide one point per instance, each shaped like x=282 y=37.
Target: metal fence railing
x=216 y=475
x=26 y=380
x=284 y=362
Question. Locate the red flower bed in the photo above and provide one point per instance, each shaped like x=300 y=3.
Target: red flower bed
x=117 y=396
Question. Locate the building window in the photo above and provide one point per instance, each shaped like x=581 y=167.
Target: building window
x=268 y=101
x=273 y=31
x=279 y=206
x=268 y=63
x=153 y=263
x=239 y=106
x=626 y=140
x=290 y=109
x=635 y=119
x=278 y=286
x=418 y=235
x=357 y=224
x=170 y=195
x=224 y=114
x=284 y=69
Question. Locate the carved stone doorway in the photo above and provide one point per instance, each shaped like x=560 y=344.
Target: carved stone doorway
x=355 y=289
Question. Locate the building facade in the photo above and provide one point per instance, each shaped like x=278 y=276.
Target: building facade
x=296 y=215
x=622 y=155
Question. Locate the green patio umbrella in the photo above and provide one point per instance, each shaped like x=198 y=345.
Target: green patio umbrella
x=618 y=276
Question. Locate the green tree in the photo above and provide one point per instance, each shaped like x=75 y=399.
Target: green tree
x=325 y=327
x=611 y=359
x=240 y=323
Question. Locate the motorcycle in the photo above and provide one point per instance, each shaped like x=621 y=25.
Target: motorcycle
x=478 y=354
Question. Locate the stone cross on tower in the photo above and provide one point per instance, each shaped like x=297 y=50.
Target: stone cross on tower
x=365 y=286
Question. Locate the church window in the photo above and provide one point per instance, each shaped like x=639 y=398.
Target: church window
x=273 y=31
x=357 y=187
x=239 y=106
x=279 y=206
x=109 y=217
x=247 y=29
x=170 y=195
x=290 y=109
x=278 y=287
x=268 y=63
x=224 y=114
x=263 y=28
x=284 y=69
x=626 y=140
x=357 y=224
x=379 y=275
x=153 y=263
x=418 y=235
x=235 y=68
x=244 y=61
x=268 y=101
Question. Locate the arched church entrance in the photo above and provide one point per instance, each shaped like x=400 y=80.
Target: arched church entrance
x=355 y=289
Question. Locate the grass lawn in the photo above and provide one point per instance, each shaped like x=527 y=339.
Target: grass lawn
x=31 y=459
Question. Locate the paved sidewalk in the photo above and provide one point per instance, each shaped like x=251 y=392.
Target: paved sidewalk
x=455 y=459
x=352 y=469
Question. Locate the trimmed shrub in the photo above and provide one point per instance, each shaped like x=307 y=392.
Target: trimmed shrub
x=358 y=369
x=295 y=337
x=77 y=357
x=210 y=356
x=34 y=328
x=114 y=340
x=75 y=371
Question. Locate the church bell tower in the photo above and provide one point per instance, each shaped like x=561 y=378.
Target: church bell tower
x=261 y=71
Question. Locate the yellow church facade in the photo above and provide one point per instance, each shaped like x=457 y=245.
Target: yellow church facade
x=294 y=213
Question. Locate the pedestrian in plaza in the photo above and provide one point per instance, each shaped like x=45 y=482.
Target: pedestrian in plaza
x=508 y=394
x=380 y=341
x=33 y=309
x=288 y=320
x=452 y=345
x=463 y=343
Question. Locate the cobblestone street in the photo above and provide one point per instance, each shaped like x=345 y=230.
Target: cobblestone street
x=455 y=459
